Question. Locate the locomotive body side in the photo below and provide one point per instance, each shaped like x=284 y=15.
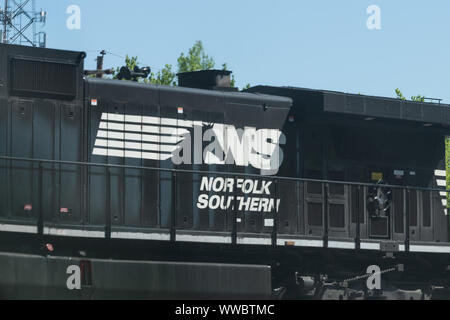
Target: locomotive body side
x=279 y=177
x=131 y=161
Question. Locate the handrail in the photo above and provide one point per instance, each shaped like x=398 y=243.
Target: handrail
x=231 y=174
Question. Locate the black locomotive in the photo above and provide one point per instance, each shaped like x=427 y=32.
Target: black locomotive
x=315 y=185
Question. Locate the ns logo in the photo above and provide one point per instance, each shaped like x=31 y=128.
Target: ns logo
x=189 y=142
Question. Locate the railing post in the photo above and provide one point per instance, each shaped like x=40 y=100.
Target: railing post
x=108 y=204
x=173 y=222
x=325 y=203
x=407 y=220
x=235 y=213
x=275 y=218
x=358 y=220
x=40 y=219
x=87 y=196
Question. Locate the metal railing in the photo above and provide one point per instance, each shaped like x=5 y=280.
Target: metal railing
x=175 y=174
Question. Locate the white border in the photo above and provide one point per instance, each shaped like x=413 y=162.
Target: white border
x=73 y=233
x=18 y=228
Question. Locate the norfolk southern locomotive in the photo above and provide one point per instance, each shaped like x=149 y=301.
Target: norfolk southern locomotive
x=199 y=191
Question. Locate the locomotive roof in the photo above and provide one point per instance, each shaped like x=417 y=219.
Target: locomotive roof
x=134 y=92
x=362 y=105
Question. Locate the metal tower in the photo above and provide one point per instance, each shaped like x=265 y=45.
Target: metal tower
x=21 y=23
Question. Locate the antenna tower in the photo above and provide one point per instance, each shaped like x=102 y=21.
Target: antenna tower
x=21 y=23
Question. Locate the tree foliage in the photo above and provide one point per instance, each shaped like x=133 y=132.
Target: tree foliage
x=417 y=98
x=399 y=94
x=195 y=60
x=247 y=86
x=165 y=76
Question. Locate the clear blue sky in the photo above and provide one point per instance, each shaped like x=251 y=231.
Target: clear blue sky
x=320 y=44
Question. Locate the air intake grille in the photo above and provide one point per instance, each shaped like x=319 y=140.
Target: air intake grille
x=40 y=78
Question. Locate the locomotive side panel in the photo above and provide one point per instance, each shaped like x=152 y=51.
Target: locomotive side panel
x=41 y=129
x=127 y=197
x=4 y=120
x=251 y=156
x=344 y=137
x=170 y=128
x=69 y=209
x=41 y=118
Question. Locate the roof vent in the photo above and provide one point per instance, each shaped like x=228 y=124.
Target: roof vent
x=206 y=79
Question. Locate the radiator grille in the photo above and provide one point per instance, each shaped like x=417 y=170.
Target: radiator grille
x=41 y=78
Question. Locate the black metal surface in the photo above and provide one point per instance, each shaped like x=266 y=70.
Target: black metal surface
x=366 y=106
x=358 y=220
x=206 y=229
x=349 y=137
x=326 y=215
x=41 y=73
x=386 y=108
x=43 y=79
x=50 y=179
x=53 y=179
x=205 y=79
x=407 y=218
x=40 y=277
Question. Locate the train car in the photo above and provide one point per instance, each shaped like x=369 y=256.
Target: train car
x=314 y=186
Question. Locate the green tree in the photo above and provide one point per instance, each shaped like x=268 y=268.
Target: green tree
x=195 y=60
x=399 y=94
x=165 y=76
x=417 y=98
